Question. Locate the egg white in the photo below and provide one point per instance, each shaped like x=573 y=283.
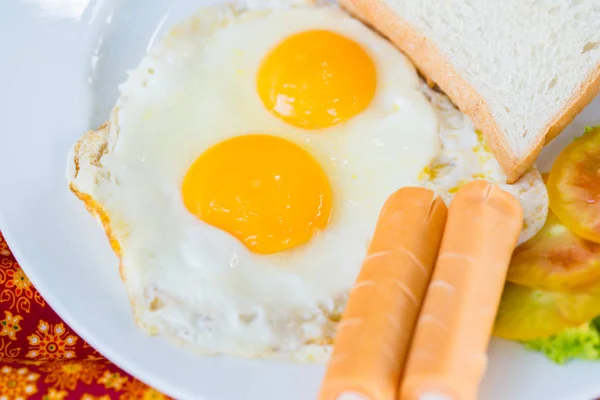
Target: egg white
x=196 y=283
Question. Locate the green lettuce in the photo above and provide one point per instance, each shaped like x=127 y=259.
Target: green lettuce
x=581 y=342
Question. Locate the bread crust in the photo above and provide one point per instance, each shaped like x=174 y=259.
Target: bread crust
x=432 y=63
x=583 y=96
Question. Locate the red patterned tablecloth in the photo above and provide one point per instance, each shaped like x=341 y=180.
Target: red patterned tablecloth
x=42 y=358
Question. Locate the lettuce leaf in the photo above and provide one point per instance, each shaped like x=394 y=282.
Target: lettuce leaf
x=581 y=342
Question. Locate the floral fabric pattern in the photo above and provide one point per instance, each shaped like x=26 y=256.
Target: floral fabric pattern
x=42 y=358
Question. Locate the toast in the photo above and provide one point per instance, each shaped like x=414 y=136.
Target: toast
x=521 y=70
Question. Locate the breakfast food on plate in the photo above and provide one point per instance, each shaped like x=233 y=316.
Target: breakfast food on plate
x=574 y=186
x=520 y=69
x=241 y=172
x=555 y=259
x=526 y=313
x=386 y=298
x=553 y=300
x=581 y=342
x=448 y=357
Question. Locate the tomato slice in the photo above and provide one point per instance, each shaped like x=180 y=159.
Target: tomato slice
x=555 y=259
x=574 y=186
x=527 y=314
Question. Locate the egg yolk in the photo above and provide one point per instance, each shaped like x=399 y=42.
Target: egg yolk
x=316 y=79
x=266 y=191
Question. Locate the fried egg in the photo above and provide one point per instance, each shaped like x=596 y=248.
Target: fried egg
x=242 y=170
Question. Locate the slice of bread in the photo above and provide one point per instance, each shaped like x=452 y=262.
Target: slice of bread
x=520 y=69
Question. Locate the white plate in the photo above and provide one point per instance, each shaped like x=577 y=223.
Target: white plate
x=60 y=63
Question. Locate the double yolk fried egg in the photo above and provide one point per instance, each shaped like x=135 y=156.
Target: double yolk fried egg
x=242 y=170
